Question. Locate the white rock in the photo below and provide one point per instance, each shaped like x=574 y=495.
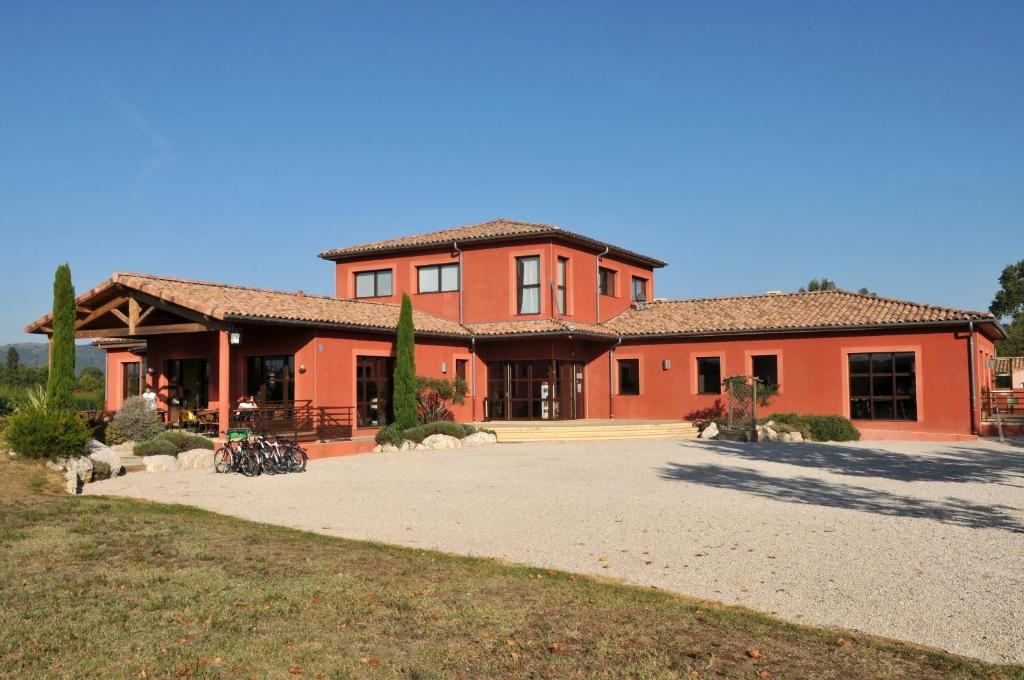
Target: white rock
x=77 y=471
x=710 y=432
x=105 y=454
x=124 y=448
x=407 y=446
x=196 y=459
x=442 y=441
x=160 y=463
x=791 y=437
x=766 y=434
x=419 y=447
x=479 y=439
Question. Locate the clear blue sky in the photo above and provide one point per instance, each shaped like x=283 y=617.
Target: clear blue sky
x=752 y=145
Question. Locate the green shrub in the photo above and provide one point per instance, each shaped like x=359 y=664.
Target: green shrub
x=416 y=434
x=6 y=405
x=390 y=434
x=157 y=446
x=37 y=433
x=444 y=427
x=137 y=421
x=185 y=441
x=112 y=435
x=832 y=429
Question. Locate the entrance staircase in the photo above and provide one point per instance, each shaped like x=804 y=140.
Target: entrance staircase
x=589 y=430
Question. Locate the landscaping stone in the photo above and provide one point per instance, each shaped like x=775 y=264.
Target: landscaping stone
x=160 y=463
x=384 y=448
x=710 y=432
x=77 y=471
x=766 y=434
x=101 y=470
x=442 y=441
x=791 y=437
x=124 y=448
x=99 y=453
x=479 y=439
x=196 y=459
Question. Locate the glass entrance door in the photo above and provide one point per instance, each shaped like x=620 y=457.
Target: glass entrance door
x=188 y=386
x=548 y=389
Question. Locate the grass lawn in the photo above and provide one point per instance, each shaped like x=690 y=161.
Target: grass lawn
x=112 y=588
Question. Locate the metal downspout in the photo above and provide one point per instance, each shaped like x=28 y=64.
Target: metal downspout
x=597 y=281
x=970 y=371
x=611 y=379
x=455 y=246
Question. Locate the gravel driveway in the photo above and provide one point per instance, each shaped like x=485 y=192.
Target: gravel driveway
x=921 y=542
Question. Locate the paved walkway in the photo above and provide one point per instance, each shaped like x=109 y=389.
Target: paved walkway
x=912 y=541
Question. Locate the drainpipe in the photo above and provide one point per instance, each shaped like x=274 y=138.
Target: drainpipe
x=970 y=372
x=455 y=246
x=472 y=371
x=611 y=379
x=597 y=280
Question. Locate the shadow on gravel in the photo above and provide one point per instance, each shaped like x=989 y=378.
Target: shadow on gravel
x=950 y=464
x=812 y=491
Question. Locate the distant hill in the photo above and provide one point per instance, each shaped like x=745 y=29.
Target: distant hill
x=35 y=354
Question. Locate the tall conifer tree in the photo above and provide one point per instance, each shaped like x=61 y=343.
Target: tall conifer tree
x=404 y=398
x=60 y=385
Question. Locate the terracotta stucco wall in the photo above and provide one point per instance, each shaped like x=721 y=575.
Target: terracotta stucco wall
x=489 y=281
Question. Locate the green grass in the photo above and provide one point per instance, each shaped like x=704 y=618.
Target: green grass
x=116 y=588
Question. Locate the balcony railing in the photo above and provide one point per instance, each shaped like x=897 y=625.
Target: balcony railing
x=301 y=420
x=1008 y=403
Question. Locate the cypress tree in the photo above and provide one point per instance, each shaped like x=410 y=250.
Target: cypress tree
x=60 y=384
x=404 y=397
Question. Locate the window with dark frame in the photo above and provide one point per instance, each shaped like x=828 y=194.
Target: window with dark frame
x=271 y=379
x=606 y=281
x=460 y=369
x=629 y=376
x=639 y=289
x=131 y=379
x=560 y=284
x=375 y=283
x=883 y=386
x=765 y=367
x=528 y=275
x=1003 y=381
x=438 y=278
x=709 y=375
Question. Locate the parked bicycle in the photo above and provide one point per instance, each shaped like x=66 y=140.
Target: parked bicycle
x=262 y=453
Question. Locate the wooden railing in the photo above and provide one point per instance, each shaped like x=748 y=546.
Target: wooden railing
x=301 y=421
x=1007 y=402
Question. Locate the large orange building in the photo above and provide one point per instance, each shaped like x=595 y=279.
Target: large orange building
x=543 y=324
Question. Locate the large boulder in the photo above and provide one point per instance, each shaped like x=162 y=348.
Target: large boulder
x=385 y=448
x=710 y=432
x=791 y=437
x=161 y=463
x=479 y=439
x=77 y=471
x=442 y=441
x=766 y=434
x=98 y=453
x=196 y=459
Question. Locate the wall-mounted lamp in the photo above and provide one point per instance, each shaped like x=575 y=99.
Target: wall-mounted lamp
x=444 y=366
x=235 y=338
x=666 y=364
x=150 y=370
x=302 y=368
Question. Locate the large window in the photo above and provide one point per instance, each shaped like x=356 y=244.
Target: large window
x=709 y=375
x=629 y=376
x=373 y=284
x=560 y=284
x=639 y=289
x=374 y=385
x=438 y=278
x=528 y=272
x=606 y=281
x=271 y=380
x=766 y=367
x=883 y=386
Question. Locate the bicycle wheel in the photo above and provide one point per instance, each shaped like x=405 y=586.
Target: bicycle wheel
x=267 y=464
x=249 y=465
x=222 y=460
x=297 y=459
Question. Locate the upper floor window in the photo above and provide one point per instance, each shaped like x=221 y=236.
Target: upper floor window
x=639 y=289
x=883 y=386
x=629 y=376
x=606 y=281
x=373 y=284
x=438 y=278
x=528 y=272
x=560 y=284
x=709 y=375
x=766 y=367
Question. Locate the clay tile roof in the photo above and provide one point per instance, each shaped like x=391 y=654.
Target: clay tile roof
x=820 y=310
x=229 y=302
x=1008 y=364
x=537 y=327
x=495 y=230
